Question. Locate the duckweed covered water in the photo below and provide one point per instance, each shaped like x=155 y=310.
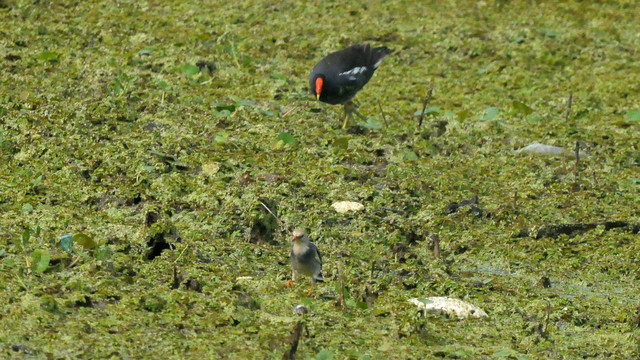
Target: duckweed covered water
x=139 y=139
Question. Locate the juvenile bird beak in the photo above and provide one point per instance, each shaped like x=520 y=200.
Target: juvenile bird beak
x=317 y=96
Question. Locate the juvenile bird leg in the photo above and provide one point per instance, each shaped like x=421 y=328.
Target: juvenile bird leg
x=309 y=293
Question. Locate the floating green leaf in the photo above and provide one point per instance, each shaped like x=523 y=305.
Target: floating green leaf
x=410 y=156
x=103 y=253
x=490 y=113
x=463 y=115
x=189 y=69
x=241 y=102
x=266 y=112
x=221 y=137
x=534 y=119
x=84 y=241
x=548 y=32
x=26 y=235
x=502 y=353
x=27 y=208
x=163 y=85
x=433 y=110
x=362 y=305
x=286 y=138
x=633 y=115
x=522 y=108
x=425 y=301
x=373 y=124
x=222 y=114
x=340 y=143
x=117 y=86
x=324 y=355
x=36 y=181
x=48 y=56
x=143 y=52
x=279 y=76
x=40 y=260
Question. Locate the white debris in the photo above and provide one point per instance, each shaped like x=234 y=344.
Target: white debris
x=345 y=206
x=300 y=310
x=243 y=278
x=538 y=148
x=449 y=306
x=210 y=169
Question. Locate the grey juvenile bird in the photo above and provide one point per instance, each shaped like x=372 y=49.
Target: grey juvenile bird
x=305 y=259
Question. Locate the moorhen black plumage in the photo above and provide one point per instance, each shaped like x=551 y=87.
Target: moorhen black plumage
x=340 y=75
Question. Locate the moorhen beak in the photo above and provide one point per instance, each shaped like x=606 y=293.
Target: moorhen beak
x=340 y=75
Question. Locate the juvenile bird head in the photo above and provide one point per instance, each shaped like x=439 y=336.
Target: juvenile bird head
x=299 y=235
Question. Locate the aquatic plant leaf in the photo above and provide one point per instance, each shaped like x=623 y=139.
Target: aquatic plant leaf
x=490 y=113
x=84 y=241
x=286 y=138
x=40 y=260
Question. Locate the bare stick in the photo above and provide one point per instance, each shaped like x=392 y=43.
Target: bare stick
x=580 y=144
x=289 y=111
x=271 y=212
x=384 y=117
x=373 y=268
x=294 y=340
x=176 y=280
x=577 y=159
x=21 y=282
x=182 y=252
x=425 y=102
x=341 y=285
x=547 y=312
x=566 y=116
x=436 y=245
x=74 y=262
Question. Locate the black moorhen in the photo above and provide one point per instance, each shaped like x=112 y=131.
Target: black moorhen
x=340 y=75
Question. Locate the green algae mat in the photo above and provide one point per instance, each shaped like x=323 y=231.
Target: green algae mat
x=142 y=142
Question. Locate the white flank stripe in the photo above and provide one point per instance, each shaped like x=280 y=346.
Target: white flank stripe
x=356 y=70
